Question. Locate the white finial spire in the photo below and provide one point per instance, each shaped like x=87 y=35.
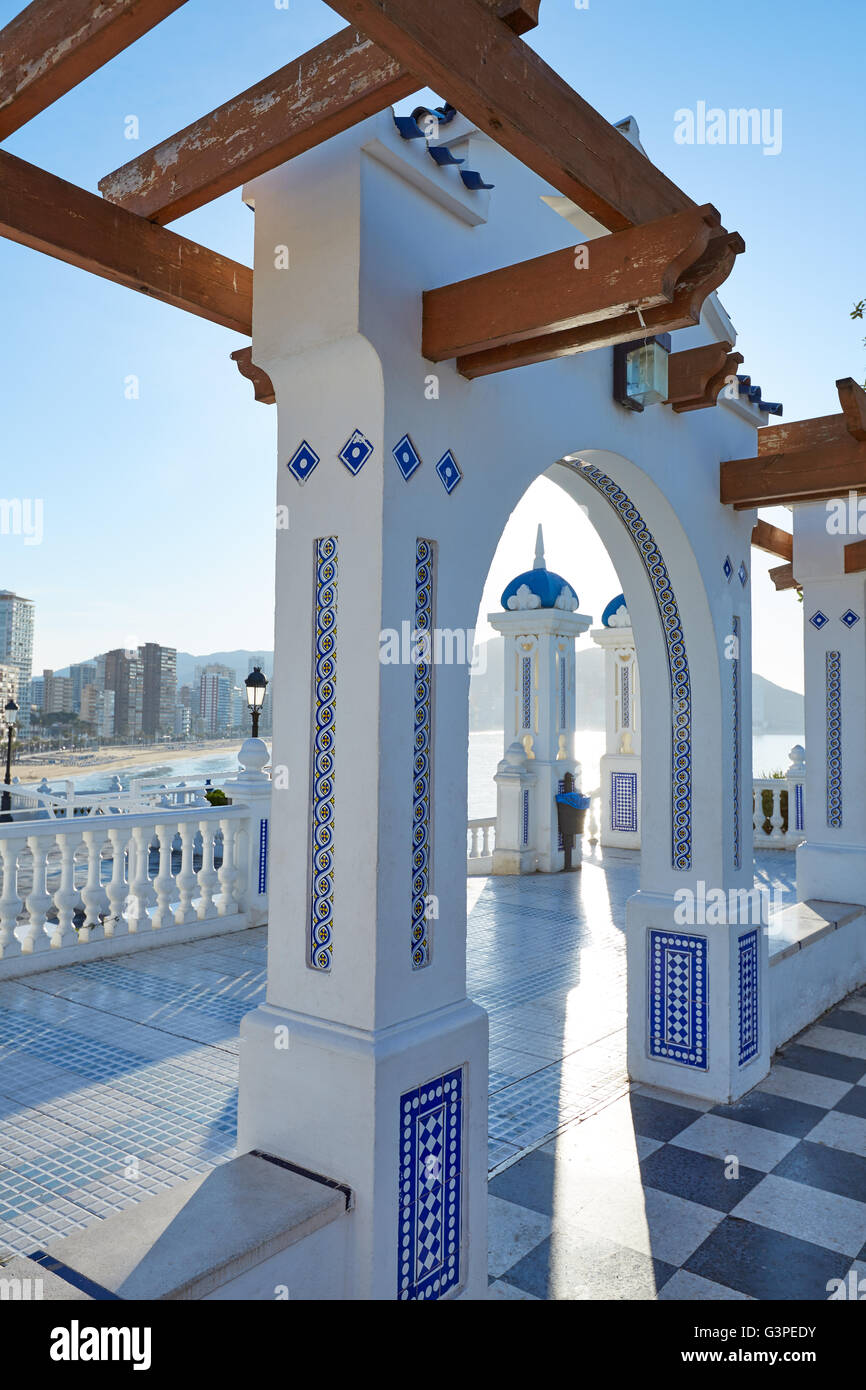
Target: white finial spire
x=540 y=563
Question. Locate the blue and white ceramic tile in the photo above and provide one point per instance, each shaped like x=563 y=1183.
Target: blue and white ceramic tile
x=849 y=618
x=449 y=471
x=834 y=739
x=678 y=994
x=742 y=573
x=430 y=1188
x=819 y=619
x=355 y=452
x=737 y=732
x=748 y=995
x=263 y=855
x=406 y=457
x=303 y=461
x=324 y=733
x=728 y=569
x=422 y=757
x=623 y=801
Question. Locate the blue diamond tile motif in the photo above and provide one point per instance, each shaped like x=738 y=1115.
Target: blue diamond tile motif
x=748 y=1012
x=742 y=573
x=819 y=620
x=449 y=471
x=728 y=568
x=850 y=618
x=355 y=452
x=303 y=461
x=678 y=998
x=407 y=457
x=430 y=1189
x=623 y=801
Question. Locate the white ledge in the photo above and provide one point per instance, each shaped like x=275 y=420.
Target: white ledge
x=803 y=924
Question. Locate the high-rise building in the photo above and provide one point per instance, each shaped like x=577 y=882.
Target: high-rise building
x=181 y=720
x=97 y=710
x=82 y=673
x=215 y=694
x=56 y=694
x=124 y=674
x=37 y=691
x=16 y=647
x=159 y=689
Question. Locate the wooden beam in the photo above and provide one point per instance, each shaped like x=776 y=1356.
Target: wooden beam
x=466 y=53
x=52 y=45
x=519 y=15
x=697 y=376
x=852 y=399
x=263 y=387
x=39 y=210
x=803 y=475
x=774 y=539
x=855 y=557
x=639 y=267
x=342 y=81
x=711 y=269
x=783 y=578
x=824 y=429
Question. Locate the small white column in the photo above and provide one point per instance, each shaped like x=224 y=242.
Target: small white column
x=831 y=862
x=515 y=792
x=540 y=627
x=252 y=787
x=796 y=783
x=620 y=765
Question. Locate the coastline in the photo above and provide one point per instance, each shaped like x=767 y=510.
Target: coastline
x=69 y=766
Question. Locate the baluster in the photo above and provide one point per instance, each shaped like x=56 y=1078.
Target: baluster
x=66 y=896
x=115 y=922
x=485 y=841
x=776 y=812
x=140 y=892
x=186 y=879
x=757 y=811
x=10 y=903
x=38 y=899
x=208 y=878
x=164 y=882
x=228 y=874
x=242 y=859
x=473 y=842
x=93 y=896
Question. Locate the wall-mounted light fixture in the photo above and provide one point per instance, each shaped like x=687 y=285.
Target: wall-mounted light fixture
x=640 y=371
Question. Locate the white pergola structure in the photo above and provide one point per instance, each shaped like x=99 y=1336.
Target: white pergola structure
x=406 y=437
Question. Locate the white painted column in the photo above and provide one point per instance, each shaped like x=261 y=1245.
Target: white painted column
x=620 y=765
x=252 y=786
x=831 y=863
x=367 y=1064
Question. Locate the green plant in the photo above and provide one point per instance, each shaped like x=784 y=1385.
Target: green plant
x=216 y=797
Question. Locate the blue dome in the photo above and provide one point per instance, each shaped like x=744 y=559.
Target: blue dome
x=544 y=583
x=613 y=607
x=541 y=582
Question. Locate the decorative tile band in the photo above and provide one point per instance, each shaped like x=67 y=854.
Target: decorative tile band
x=422 y=759
x=623 y=801
x=735 y=696
x=563 y=691
x=526 y=817
x=678 y=665
x=799 y=820
x=526 y=691
x=324 y=716
x=430 y=1188
x=263 y=856
x=834 y=740
x=625 y=696
x=678 y=996
x=747 y=995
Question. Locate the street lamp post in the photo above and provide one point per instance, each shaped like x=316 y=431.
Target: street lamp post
x=11 y=712
x=256 y=684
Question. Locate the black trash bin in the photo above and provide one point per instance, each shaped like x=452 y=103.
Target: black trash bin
x=571 y=809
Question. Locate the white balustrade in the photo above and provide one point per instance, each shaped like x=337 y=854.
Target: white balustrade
x=481 y=838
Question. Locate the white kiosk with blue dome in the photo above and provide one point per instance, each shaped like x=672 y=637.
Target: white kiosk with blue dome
x=539 y=624
x=619 y=767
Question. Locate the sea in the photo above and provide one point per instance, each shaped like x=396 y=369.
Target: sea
x=769 y=755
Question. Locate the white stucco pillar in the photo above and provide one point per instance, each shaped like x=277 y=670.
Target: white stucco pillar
x=831 y=862
x=367 y=1064
x=620 y=765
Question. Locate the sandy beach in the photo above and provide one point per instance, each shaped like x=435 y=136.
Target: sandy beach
x=78 y=764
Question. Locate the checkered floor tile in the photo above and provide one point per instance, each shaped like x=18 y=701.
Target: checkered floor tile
x=662 y=1197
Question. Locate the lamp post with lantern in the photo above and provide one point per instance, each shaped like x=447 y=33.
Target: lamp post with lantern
x=256 y=685
x=11 y=716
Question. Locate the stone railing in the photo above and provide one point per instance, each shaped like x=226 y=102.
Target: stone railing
x=31 y=801
x=481 y=838
x=78 y=888
x=778 y=818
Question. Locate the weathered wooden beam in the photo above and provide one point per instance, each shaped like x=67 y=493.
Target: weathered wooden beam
x=342 y=81
x=263 y=387
x=466 y=53
x=774 y=539
x=803 y=475
x=855 y=557
x=783 y=578
x=697 y=376
x=852 y=399
x=708 y=272
x=39 y=210
x=640 y=267
x=824 y=429
x=52 y=45
x=519 y=15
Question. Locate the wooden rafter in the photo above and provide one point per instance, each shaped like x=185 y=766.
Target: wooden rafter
x=39 y=210
x=855 y=557
x=697 y=376
x=52 y=45
x=809 y=461
x=783 y=578
x=263 y=387
x=466 y=53
x=337 y=84
x=684 y=310
x=774 y=539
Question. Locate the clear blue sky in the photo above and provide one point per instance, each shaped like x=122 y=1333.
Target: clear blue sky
x=158 y=512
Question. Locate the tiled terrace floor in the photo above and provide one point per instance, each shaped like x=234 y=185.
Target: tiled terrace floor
x=118 y=1078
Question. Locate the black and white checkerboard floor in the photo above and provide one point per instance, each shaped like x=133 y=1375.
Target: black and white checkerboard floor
x=659 y=1196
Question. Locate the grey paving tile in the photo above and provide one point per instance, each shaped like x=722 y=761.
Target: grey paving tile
x=581 y=1266
x=822 y=1091
x=720 y=1138
x=765 y=1263
x=808 y=1213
